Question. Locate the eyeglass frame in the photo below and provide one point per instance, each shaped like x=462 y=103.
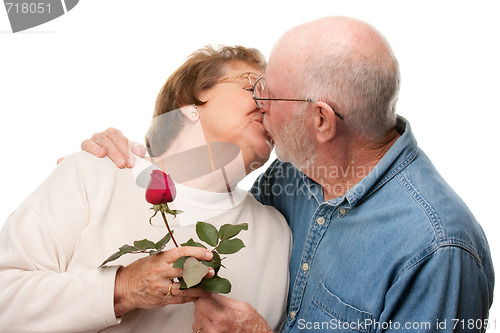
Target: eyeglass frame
x=257 y=99
x=246 y=74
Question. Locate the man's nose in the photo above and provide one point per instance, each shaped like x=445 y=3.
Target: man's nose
x=265 y=108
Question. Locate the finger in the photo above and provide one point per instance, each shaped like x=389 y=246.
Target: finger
x=119 y=140
x=217 y=304
x=93 y=148
x=189 y=251
x=229 y=302
x=190 y=292
x=207 y=306
x=130 y=158
x=60 y=160
x=177 y=300
x=211 y=273
x=202 y=321
x=178 y=296
x=137 y=149
x=111 y=150
x=172 y=272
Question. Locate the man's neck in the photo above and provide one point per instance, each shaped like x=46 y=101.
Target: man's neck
x=340 y=166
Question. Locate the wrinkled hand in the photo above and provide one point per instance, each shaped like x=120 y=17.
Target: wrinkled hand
x=146 y=282
x=114 y=144
x=218 y=313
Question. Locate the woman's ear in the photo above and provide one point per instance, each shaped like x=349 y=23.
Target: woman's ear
x=191 y=112
x=324 y=122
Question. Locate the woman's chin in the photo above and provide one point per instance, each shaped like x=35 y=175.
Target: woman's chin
x=260 y=159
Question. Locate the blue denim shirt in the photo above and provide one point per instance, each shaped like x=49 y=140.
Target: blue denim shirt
x=399 y=252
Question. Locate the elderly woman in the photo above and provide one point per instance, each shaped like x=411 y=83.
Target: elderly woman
x=51 y=246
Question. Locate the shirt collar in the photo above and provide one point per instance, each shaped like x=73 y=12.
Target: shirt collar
x=314 y=189
x=400 y=155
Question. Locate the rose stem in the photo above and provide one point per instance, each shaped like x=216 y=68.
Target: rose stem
x=168 y=228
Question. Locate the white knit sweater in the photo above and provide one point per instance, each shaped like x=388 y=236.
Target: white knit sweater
x=51 y=246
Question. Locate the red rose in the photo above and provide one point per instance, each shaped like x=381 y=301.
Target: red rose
x=161 y=188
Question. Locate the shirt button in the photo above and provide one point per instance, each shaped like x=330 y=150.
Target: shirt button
x=292 y=314
x=305 y=266
x=342 y=210
x=320 y=220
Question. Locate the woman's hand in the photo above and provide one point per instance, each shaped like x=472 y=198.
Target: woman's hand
x=115 y=145
x=148 y=282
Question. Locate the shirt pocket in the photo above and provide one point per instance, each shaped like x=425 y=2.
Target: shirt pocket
x=332 y=314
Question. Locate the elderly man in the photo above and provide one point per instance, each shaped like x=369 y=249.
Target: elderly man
x=380 y=241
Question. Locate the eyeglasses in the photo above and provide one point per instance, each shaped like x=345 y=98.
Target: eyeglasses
x=247 y=79
x=261 y=96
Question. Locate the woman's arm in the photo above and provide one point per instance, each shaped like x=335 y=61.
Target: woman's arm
x=41 y=289
x=36 y=293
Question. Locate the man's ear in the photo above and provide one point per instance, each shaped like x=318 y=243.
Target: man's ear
x=324 y=122
x=190 y=112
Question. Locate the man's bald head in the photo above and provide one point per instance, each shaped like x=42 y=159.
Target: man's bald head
x=340 y=34
x=346 y=63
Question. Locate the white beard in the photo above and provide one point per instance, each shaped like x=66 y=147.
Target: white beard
x=293 y=143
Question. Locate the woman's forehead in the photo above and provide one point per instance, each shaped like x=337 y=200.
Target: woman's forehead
x=238 y=67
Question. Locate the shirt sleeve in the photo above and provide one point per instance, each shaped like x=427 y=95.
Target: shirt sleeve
x=446 y=291
x=38 y=290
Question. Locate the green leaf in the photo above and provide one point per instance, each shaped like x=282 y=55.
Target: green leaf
x=128 y=249
x=114 y=256
x=144 y=244
x=193 y=271
x=156 y=211
x=215 y=263
x=179 y=263
x=182 y=285
x=216 y=285
x=121 y=251
x=191 y=242
x=164 y=208
x=228 y=246
x=216 y=256
x=177 y=212
x=162 y=242
x=228 y=231
x=207 y=233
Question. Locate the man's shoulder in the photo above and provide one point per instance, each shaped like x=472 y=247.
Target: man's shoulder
x=279 y=184
x=440 y=208
x=280 y=170
x=425 y=213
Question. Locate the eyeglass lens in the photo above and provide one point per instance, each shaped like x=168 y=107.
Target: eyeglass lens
x=260 y=91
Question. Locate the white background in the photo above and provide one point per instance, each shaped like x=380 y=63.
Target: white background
x=103 y=63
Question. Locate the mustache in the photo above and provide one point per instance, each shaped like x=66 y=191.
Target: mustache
x=269 y=134
x=266 y=124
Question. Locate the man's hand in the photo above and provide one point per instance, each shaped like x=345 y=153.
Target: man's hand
x=114 y=144
x=147 y=283
x=219 y=313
